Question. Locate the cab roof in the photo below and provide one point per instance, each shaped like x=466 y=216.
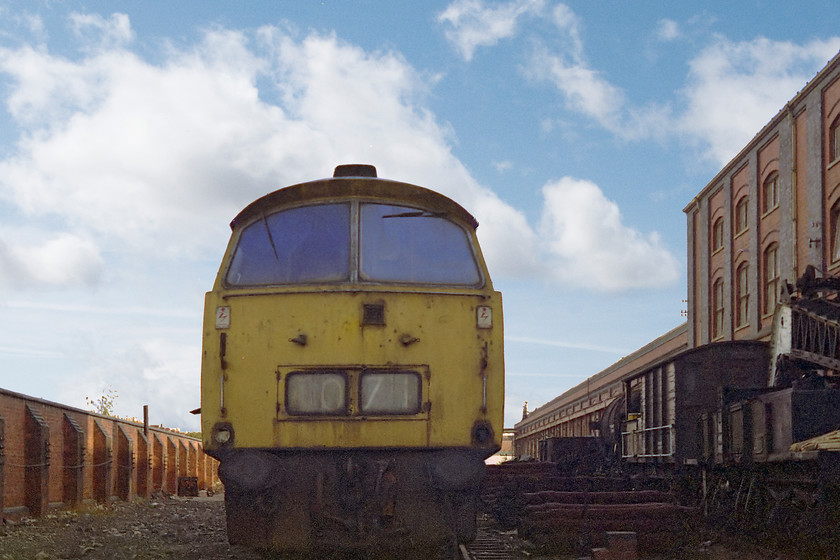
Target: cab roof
x=345 y=187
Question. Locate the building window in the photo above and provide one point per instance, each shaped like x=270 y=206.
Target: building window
x=771 y=278
x=834 y=140
x=742 y=215
x=742 y=294
x=717 y=235
x=717 y=308
x=834 y=223
x=770 y=193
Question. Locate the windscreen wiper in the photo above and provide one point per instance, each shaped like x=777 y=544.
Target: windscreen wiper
x=271 y=239
x=417 y=214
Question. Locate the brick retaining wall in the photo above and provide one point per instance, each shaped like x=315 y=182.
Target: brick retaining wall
x=52 y=455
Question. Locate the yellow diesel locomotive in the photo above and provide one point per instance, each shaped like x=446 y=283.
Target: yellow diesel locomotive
x=352 y=373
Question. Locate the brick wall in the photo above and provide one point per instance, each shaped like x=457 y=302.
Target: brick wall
x=52 y=455
x=796 y=147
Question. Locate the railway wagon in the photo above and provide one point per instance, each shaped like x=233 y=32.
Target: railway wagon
x=352 y=367
x=663 y=404
x=744 y=402
x=784 y=431
x=758 y=419
x=649 y=414
x=595 y=406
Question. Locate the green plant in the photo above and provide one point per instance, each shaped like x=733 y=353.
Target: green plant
x=104 y=404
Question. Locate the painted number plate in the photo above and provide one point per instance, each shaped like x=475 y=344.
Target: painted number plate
x=223 y=317
x=484 y=317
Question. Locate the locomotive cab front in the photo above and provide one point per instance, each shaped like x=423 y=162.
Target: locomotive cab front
x=352 y=368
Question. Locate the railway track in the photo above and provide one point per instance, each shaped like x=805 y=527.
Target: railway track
x=488 y=545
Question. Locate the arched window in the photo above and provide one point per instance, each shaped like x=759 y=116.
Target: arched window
x=770 y=193
x=742 y=217
x=717 y=308
x=717 y=235
x=834 y=224
x=834 y=140
x=742 y=295
x=770 y=276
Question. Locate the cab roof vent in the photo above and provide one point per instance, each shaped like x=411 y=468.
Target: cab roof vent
x=355 y=170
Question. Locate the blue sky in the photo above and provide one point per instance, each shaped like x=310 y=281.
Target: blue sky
x=131 y=133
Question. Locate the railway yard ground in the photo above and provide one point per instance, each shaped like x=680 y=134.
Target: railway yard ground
x=169 y=527
x=157 y=528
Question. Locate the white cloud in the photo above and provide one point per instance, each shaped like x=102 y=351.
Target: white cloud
x=584 y=89
x=155 y=372
x=567 y=344
x=591 y=247
x=77 y=309
x=569 y=23
x=472 y=23
x=508 y=242
x=668 y=30
x=136 y=153
x=146 y=156
x=158 y=158
x=502 y=166
x=101 y=34
x=46 y=87
x=588 y=93
x=732 y=89
x=32 y=25
x=63 y=260
x=735 y=88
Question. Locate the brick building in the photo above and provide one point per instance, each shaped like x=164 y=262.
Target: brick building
x=770 y=212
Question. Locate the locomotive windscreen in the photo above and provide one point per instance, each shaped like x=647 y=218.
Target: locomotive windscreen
x=314 y=244
x=307 y=244
x=400 y=244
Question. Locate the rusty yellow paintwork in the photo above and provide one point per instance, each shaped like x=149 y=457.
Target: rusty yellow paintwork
x=432 y=330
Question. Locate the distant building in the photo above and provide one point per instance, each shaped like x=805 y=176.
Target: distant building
x=572 y=413
x=506 y=452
